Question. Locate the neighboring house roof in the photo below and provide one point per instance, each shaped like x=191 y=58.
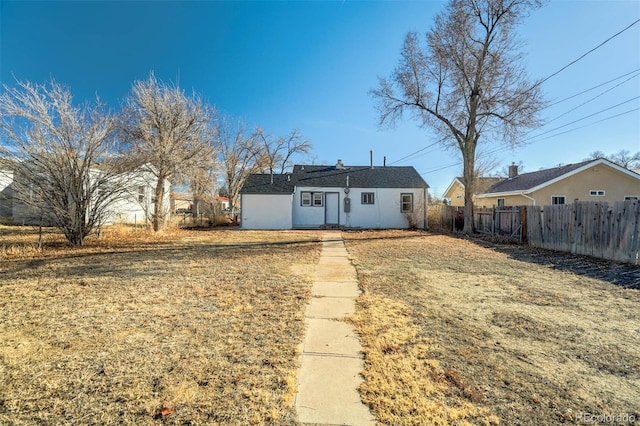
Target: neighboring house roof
x=533 y=181
x=181 y=197
x=335 y=176
x=482 y=183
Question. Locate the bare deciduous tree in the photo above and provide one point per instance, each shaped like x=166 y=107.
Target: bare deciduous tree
x=274 y=153
x=623 y=158
x=169 y=131
x=465 y=80
x=237 y=153
x=63 y=157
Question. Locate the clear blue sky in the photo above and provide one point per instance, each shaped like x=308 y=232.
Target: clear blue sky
x=310 y=65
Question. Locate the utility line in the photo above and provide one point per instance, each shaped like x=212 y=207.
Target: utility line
x=589 y=124
x=506 y=148
x=580 y=119
x=593 y=88
x=585 y=54
x=592 y=99
x=413 y=153
x=551 y=76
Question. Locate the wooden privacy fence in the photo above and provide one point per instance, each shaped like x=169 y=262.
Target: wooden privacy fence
x=599 y=229
x=588 y=228
x=505 y=220
x=445 y=218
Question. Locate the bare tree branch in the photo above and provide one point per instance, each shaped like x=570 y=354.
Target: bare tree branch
x=170 y=131
x=64 y=159
x=465 y=81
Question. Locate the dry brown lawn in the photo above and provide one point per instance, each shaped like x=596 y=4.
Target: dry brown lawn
x=184 y=327
x=462 y=332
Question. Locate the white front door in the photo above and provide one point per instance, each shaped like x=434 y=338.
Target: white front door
x=332 y=208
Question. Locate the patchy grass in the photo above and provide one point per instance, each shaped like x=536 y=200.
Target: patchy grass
x=137 y=328
x=486 y=337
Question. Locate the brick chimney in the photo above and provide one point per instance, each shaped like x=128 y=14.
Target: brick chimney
x=513 y=170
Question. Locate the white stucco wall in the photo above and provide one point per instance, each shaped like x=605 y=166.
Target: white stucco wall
x=266 y=211
x=384 y=213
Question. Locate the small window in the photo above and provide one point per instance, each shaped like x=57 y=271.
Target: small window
x=141 y=194
x=406 y=203
x=596 y=193
x=500 y=202
x=559 y=199
x=630 y=197
x=311 y=199
x=368 y=198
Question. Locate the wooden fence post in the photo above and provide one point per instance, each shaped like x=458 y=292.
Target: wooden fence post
x=524 y=237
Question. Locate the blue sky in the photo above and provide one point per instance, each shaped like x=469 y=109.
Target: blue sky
x=310 y=65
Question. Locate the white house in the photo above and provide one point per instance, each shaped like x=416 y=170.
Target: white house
x=338 y=196
x=135 y=206
x=6 y=194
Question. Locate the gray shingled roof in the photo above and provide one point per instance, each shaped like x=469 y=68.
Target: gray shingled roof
x=331 y=176
x=527 y=181
x=261 y=184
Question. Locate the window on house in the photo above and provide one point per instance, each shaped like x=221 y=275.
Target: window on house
x=630 y=197
x=311 y=199
x=596 y=193
x=500 y=202
x=406 y=203
x=368 y=198
x=141 y=194
x=558 y=199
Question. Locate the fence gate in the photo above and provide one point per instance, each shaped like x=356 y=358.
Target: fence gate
x=506 y=220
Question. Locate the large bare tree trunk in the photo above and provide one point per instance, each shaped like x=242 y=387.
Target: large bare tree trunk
x=158 y=213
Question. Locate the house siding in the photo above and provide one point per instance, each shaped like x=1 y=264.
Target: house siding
x=266 y=211
x=384 y=213
x=6 y=196
x=456 y=195
x=616 y=185
x=125 y=210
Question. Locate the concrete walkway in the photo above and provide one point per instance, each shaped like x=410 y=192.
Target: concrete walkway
x=331 y=359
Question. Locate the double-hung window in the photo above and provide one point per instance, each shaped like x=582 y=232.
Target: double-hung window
x=368 y=198
x=406 y=203
x=311 y=199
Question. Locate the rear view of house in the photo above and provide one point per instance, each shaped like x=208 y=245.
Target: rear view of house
x=314 y=196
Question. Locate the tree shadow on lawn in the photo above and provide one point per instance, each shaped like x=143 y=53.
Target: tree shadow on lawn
x=624 y=275
x=129 y=263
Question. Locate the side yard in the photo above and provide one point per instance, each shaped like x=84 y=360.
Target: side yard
x=462 y=332
x=202 y=328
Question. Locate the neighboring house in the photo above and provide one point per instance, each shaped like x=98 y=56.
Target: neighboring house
x=6 y=194
x=135 y=207
x=139 y=204
x=315 y=196
x=223 y=202
x=455 y=191
x=181 y=203
x=593 y=180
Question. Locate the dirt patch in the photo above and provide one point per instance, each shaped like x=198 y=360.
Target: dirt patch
x=531 y=341
x=194 y=328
